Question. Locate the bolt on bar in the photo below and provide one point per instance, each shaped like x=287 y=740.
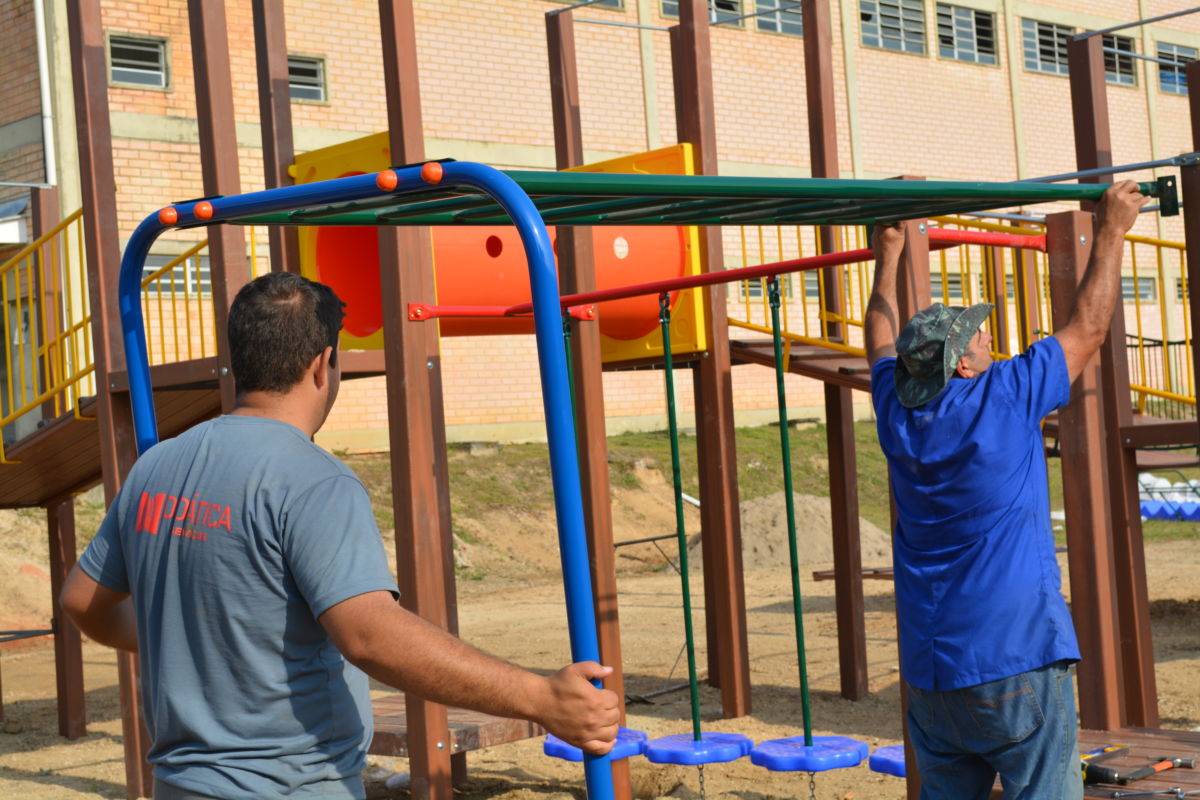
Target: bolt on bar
x=1088 y=34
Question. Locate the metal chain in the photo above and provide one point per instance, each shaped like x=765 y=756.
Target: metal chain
x=812 y=786
x=700 y=769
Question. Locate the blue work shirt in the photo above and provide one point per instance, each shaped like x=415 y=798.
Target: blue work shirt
x=978 y=588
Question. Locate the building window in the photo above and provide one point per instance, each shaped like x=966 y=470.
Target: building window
x=965 y=34
x=1045 y=46
x=893 y=24
x=306 y=78
x=1171 y=77
x=718 y=10
x=757 y=287
x=1145 y=289
x=776 y=17
x=1118 y=67
x=138 y=61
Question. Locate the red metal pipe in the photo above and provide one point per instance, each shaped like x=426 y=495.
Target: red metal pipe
x=939 y=239
x=990 y=238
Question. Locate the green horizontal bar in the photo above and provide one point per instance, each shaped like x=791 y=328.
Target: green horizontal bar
x=588 y=198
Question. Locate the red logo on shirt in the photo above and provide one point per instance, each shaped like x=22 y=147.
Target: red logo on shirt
x=154 y=509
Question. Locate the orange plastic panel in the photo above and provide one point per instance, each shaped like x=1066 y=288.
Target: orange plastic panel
x=486 y=265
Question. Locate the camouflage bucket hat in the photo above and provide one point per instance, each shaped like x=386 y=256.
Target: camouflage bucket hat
x=929 y=347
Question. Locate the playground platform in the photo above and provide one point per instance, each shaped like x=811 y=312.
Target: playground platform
x=469 y=730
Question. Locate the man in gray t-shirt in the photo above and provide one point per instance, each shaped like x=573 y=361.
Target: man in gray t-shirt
x=243 y=564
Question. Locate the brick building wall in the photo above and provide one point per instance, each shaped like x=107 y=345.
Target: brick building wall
x=485 y=91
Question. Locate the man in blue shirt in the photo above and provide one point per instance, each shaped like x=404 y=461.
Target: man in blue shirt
x=242 y=563
x=986 y=640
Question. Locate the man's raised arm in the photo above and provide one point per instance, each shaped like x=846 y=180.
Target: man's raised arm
x=882 y=324
x=1097 y=295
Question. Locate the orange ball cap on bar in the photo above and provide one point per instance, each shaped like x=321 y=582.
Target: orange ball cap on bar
x=387 y=180
x=203 y=210
x=431 y=172
x=168 y=215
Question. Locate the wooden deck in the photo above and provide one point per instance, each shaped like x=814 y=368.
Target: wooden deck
x=1146 y=745
x=469 y=730
x=820 y=363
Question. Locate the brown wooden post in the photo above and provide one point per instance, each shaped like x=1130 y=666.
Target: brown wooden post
x=1190 y=180
x=1089 y=539
x=1027 y=293
x=44 y=216
x=994 y=269
x=102 y=247
x=68 y=650
x=1093 y=149
x=416 y=425
x=577 y=273
x=721 y=536
x=275 y=114
x=839 y=406
x=219 y=168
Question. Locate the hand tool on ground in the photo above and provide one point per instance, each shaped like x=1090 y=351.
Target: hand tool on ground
x=1159 y=764
x=1175 y=790
x=1090 y=762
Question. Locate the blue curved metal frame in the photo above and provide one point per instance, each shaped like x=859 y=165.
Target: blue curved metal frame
x=560 y=431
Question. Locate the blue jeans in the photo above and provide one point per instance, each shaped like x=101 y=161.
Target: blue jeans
x=1022 y=728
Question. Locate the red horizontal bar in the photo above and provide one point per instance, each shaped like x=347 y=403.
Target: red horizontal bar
x=991 y=238
x=419 y=312
x=939 y=239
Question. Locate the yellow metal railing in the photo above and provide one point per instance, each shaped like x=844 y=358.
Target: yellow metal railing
x=44 y=307
x=1162 y=373
x=177 y=303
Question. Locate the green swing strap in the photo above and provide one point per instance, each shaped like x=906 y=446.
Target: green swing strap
x=664 y=319
x=786 y=452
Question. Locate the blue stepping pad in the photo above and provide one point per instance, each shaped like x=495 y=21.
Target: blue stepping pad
x=826 y=752
x=712 y=748
x=888 y=760
x=629 y=743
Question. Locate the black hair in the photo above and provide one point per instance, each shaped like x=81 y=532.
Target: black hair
x=278 y=324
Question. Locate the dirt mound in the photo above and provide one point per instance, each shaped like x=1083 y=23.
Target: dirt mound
x=24 y=576
x=765 y=534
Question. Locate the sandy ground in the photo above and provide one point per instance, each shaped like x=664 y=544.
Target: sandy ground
x=516 y=611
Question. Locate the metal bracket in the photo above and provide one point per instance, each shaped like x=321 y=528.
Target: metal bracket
x=1168 y=196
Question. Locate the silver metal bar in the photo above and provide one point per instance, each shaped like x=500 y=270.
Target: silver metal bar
x=1131 y=54
x=1087 y=34
x=785 y=7
x=623 y=24
x=1184 y=160
x=27 y=185
x=558 y=11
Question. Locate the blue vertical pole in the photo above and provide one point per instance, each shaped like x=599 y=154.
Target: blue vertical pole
x=560 y=428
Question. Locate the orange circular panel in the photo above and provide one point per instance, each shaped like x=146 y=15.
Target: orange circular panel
x=203 y=210
x=387 y=180
x=431 y=172
x=632 y=255
x=168 y=215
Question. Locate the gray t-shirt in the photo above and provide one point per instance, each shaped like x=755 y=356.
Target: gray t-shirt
x=232 y=539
